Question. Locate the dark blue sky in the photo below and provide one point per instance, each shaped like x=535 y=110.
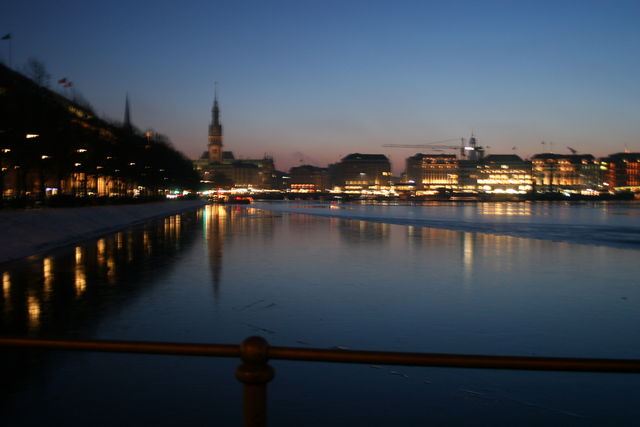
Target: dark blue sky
x=315 y=80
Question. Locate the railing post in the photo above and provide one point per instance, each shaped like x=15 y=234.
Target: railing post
x=254 y=373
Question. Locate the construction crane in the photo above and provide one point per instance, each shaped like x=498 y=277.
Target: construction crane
x=472 y=150
x=434 y=144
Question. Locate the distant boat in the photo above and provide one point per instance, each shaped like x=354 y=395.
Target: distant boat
x=231 y=200
x=239 y=200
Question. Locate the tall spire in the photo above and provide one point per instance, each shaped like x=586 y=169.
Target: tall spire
x=216 y=107
x=215 y=130
x=127 y=114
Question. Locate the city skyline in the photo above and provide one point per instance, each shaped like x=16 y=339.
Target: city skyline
x=310 y=82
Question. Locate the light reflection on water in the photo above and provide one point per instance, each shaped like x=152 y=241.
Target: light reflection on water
x=605 y=223
x=6 y=285
x=47 y=273
x=65 y=276
x=508 y=209
x=223 y=273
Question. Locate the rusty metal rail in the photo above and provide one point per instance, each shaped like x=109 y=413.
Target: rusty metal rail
x=255 y=352
x=457 y=360
x=146 y=347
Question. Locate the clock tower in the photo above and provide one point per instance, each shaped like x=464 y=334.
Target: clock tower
x=215 y=133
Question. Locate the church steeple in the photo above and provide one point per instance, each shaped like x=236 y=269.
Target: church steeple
x=127 y=115
x=216 y=109
x=215 y=131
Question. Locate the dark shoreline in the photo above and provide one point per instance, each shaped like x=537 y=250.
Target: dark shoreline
x=28 y=232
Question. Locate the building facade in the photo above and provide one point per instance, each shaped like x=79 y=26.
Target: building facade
x=433 y=171
x=566 y=172
x=496 y=173
x=358 y=172
x=307 y=178
x=504 y=173
x=621 y=172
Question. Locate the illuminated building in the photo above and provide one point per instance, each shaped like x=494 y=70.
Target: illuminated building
x=245 y=174
x=433 y=171
x=308 y=178
x=622 y=171
x=220 y=169
x=565 y=172
x=504 y=173
x=265 y=171
x=52 y=145
x=357 y=172
x=497 y=173
x=468 y=173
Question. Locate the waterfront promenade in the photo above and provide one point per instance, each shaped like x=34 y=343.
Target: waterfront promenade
x=27 y=232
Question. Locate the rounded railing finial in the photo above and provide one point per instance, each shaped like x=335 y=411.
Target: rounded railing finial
x=254 y=350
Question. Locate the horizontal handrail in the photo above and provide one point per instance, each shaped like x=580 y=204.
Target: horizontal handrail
x=255 y=352
x=145 y=347
x=458 y=360
x=340 y=355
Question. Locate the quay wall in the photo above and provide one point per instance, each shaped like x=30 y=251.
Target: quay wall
x=28 y=232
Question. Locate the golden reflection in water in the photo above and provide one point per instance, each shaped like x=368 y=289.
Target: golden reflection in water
x=171 y=226
x=222 y=215
x=6 y=285
x=102 y=249
x=499 y=248
x=146 y=242
x=80 y=281
x=477 y=250
x=33 y=310
x=501 y=252
x=213 y=214
x=467 y=256
x=47 y=273
x=215 y=226
x=435 y=234
x=205 y=223
x=32 y=297
x=111 y=270
x=506 y=209
x=129 y=246
x=119 y=240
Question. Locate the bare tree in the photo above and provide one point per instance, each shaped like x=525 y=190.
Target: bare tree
x=79 y=99
x=37 y=71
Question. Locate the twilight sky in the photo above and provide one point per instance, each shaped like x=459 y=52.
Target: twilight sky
x=313 y=80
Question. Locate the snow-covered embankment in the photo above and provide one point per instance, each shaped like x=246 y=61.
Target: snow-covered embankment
x=27 y=232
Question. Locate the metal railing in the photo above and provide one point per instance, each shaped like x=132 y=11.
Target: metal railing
x=255 y=352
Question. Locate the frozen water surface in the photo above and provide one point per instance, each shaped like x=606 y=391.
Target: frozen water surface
x=328 y=280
